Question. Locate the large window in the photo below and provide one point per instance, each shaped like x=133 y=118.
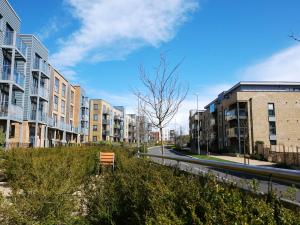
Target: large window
x=95 y=127
x=95 y=117
x=55 y=119
x=1 y=22
x=56 y=85
x=72 y=97
x=71 y=112
x=272 y=128
x=63 y=107
x=271 y=109
x=95 y=107
x=55 y=105
x=63 y=90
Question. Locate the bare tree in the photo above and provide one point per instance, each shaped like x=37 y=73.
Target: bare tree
x=294 y=37
x=163 y=94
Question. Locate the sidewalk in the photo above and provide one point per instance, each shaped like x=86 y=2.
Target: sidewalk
x=241 y=160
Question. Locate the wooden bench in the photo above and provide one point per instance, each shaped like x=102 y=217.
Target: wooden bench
x=107 y=159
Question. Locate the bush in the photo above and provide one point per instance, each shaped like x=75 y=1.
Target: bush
x=59 y=186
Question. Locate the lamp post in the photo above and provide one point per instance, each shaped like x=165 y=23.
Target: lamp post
x=198 y=127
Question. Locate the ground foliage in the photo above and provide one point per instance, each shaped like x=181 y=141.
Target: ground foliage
x=59 y=186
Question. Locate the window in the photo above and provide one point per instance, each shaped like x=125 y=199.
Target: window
x=272 y=128
x=273 y=142
x=271 y=109
x=12 y=131
x=56 y=85
x=1 y=22
x=94 y=138
x=63 y=107
x=71 y=112
x=55 y=100
x=55 y=119
x=63 y=90
x=95 y=106
x=72 y=97
x=95 y=127
x=62 y=119
x=95 y=117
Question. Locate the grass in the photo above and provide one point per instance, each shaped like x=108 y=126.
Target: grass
x=205 y=157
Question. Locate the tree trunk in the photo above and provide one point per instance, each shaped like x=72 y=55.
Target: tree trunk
x=161 y=141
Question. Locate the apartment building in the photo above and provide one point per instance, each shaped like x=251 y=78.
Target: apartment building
x=36 y=98
x=105 y=121
x=82 y=113
x=63 y=123
x=130 y=128
x=248 y=112
x=13 y=67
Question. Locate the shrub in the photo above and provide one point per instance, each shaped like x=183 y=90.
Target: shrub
x=59 y=186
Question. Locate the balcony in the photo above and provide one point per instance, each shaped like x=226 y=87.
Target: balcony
x=14 y=113
x=85 y=117
x=85 y=103
x=105 y=133
x=117 y=126
x=233 y=132
x=105 y=121
x=232 y=114
x=17 y=77
x=19 y=45
x=42 y=92
x=39 y=116
x=40 y=65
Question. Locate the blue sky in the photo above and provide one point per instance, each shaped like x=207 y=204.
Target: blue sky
x=100 y=44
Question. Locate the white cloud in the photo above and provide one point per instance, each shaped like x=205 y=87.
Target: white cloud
x=113 y=28
x=282 y=66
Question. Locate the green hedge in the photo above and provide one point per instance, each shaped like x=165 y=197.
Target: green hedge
x=59 y=186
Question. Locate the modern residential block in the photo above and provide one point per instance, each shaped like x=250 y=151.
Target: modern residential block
x=105 y=121
x=36 y=99
x=62 y=127
x=82 y=113
x=252 y=112
x=13 y=68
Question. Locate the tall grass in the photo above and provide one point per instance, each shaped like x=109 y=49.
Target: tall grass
x=60 y=186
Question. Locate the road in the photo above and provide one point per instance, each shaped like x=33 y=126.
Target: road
x=241 y=179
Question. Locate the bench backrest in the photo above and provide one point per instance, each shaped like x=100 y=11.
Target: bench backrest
x=107 y=158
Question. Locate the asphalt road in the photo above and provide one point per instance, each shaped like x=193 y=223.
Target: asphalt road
x=242 y=180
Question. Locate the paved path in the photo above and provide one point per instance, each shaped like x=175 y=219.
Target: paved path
x=241 y=179
x=241 y=160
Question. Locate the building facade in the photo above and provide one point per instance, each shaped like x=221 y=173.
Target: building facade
x=36 y=98
x=252 y=112
x=63 y=123
x=13 y=67
x=102 y=121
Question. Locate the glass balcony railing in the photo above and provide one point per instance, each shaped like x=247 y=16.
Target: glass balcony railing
x=15 y=112
x=9 y=38
x=17 y=77
x=38 y=115
x=21 y=46
x=39 y=64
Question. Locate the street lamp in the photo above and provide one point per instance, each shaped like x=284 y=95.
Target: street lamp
x=198 y=127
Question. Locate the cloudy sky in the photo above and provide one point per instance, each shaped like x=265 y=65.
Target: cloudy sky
x=99 y=44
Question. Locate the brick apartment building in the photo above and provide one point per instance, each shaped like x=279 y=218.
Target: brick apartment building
x=249 y=112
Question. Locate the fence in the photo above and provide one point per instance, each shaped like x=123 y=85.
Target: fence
x=288 y=155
